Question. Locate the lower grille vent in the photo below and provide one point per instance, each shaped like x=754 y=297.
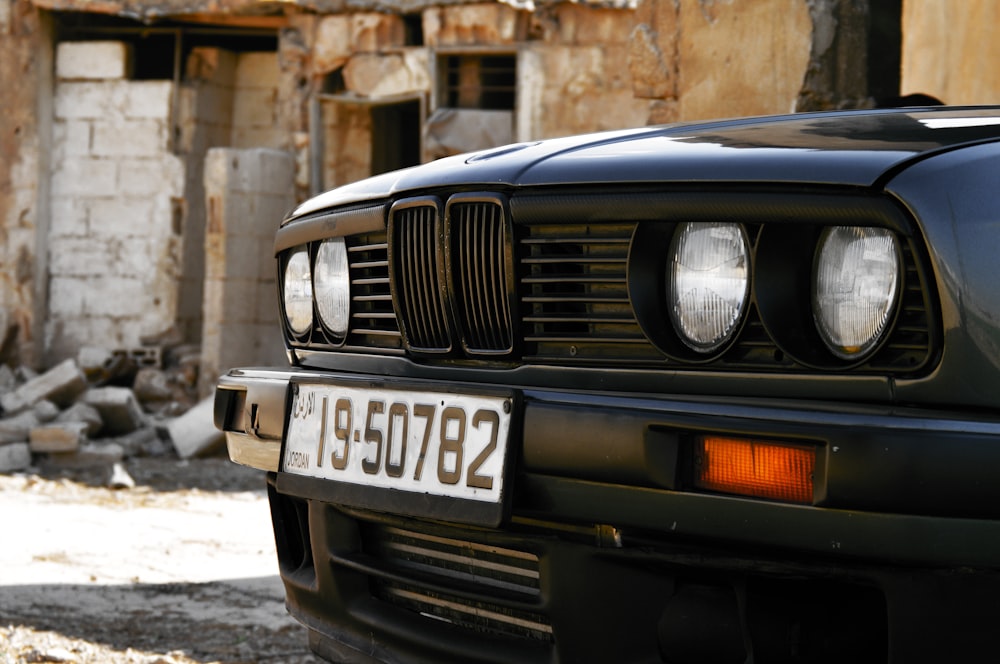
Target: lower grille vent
x=482 y=588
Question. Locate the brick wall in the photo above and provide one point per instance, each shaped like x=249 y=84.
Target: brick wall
x=248 y=192
x=116 y=202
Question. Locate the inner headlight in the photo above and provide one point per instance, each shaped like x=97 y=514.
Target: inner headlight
x=855 y=287
x=297 y=292
x=333 y=286
x=707 y=282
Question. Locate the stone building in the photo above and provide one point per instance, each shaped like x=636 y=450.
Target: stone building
x=149 y=147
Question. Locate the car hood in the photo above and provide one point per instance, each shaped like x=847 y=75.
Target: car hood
x=844 y=148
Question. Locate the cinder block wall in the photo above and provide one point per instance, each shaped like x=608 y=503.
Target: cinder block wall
x=248 y=192
x=116 y=201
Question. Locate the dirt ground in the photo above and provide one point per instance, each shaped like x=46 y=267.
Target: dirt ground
x=178 y=570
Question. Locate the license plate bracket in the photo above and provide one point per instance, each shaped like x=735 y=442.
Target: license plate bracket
x=433 y=454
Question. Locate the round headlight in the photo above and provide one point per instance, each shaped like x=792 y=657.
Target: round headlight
x=333 y=286
x=855 y=287
x=707 y=282
x=297 y=292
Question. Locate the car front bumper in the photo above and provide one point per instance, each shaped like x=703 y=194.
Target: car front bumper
x=896 y=560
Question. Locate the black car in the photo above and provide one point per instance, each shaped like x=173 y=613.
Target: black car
x=724 y=392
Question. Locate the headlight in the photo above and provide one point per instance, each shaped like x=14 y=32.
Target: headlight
x=333 y=286
x=707 y=282
x=855 y=287
x=297 y=292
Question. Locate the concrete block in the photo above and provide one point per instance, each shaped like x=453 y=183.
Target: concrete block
x=71 y=138
x=8 y=381
x=16 y=429
x=129 y=138
x=45 y=411
x=62 y=437
x=82 y=412
x=69 y=216
x=93 y=60
x=194 y=432
x=61 y=385
x=88 y=455
x=80 y=257
x=118 y=407
x=256 y=69
x=66 y=297
x=161 y=174
x=85 y=178
x=14 y=457
x=116 y=217
x=255 y=107
x=91 y=100
x=150 y=100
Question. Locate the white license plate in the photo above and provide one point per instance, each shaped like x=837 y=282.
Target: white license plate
x=423 y=442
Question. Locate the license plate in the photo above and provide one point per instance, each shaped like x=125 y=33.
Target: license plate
x=434 y=443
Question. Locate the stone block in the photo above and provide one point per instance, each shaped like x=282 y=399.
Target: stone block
x=373 y=32
x=16 y=429
x=333 y=43
x=61 y=437
x=473 y=25
x=81 y=412
x=372 y=75
x=61 y=385
x=141 y=442
x=118 y=407
x=14 y=457
x=45 y=411
x=194 y=432
x=93 y=60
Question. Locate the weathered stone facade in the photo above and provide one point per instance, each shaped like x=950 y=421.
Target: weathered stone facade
x=950 y=50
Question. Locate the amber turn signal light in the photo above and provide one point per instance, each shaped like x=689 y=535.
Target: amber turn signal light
x=756 y=468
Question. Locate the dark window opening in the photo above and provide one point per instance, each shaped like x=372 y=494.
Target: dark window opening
x=395 y=136
x=154 y=47
x=333 y=83
x=413 y=24
x=885 y=46
x=486 y=82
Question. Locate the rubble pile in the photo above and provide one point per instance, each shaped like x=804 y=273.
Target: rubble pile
x=102 y=407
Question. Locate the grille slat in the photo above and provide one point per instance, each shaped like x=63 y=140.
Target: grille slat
x=479 y=273
x=483 y=588
x=417 y=267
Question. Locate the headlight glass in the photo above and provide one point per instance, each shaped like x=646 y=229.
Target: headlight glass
x=707 y=282
x=855 y=287
x=333 y=286
x=297 y=292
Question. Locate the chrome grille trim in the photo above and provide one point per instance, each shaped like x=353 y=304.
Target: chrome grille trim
x=480 y=277
x=416 y=266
